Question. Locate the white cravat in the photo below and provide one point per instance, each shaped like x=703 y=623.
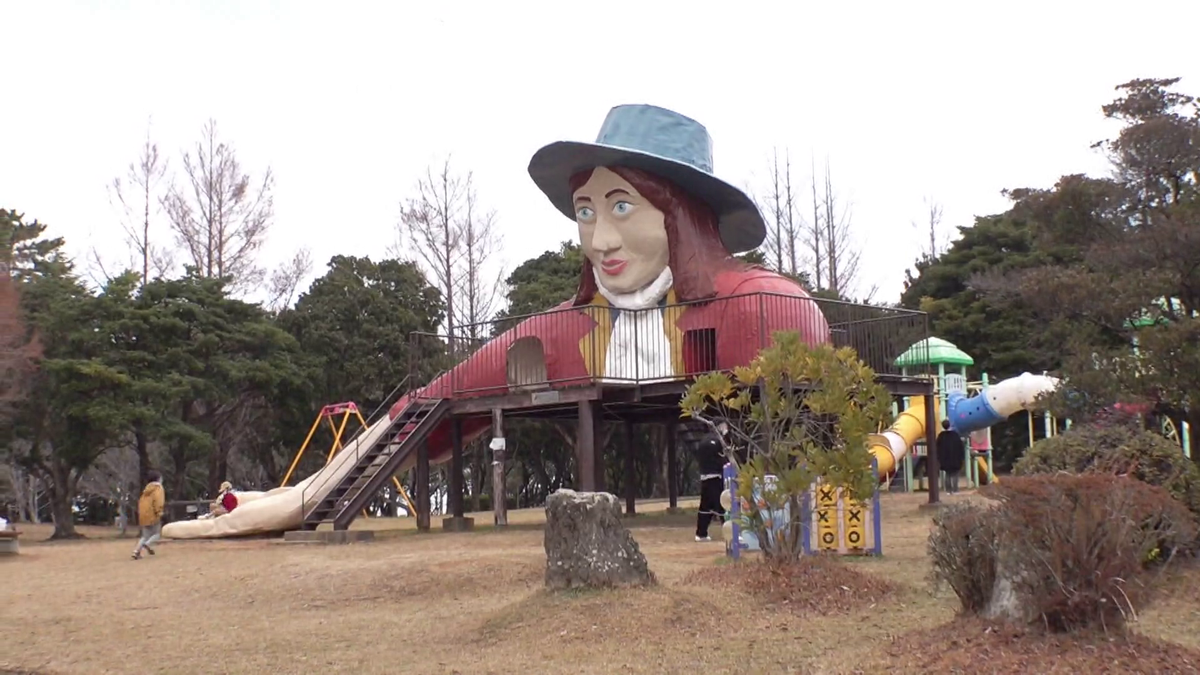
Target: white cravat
x=638 y=348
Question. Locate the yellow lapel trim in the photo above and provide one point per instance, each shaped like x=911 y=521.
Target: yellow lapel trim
x=671 y=315
x=594 y=346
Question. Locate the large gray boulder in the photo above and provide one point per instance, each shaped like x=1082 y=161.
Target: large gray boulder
x=587 y=546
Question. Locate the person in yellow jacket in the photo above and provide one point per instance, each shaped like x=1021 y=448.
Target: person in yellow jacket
x=150 y=511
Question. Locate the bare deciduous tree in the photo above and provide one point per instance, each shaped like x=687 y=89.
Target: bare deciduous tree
x=220 y=215
x=816 y=233
x=783 y=241
x=932 y=228
x=842 y=254
x=138 y=197
x=286 y=280
x=26 y=491
x=430 y=232
x=479 y=290
x=455 y=240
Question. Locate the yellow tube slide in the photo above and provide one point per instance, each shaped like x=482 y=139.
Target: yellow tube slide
x=892 y=445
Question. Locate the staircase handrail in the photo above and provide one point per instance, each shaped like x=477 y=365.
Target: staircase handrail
x=354 y=440
x=423 y=428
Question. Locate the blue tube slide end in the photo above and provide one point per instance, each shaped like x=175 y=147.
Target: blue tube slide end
x=970 y=414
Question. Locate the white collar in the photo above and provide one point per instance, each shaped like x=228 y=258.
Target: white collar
x=647 y=296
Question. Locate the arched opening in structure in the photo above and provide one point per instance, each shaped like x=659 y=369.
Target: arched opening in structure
x=527 y=364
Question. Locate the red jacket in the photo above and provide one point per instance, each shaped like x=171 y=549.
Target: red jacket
x=716 y=334
x=229 y=501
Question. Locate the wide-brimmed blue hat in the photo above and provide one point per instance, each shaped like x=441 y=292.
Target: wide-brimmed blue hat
x=661 y=142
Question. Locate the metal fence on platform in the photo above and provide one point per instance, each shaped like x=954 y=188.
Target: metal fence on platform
x=602 y=344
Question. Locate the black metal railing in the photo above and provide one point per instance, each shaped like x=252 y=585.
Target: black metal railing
x=594 y=343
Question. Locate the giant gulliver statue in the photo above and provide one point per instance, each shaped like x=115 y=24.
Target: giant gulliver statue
x=660 y=295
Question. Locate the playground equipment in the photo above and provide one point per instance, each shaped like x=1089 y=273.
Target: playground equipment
x=829 y=521
x=283 y=508
x=1181 y=434
x=932 y=351
x=347 y=410
x=645 y=320
x=968 y=414
x=972 y=408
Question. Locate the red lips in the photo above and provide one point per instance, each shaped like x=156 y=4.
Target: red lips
x=613 y=267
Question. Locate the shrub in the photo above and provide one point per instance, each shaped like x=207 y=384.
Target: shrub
x=1079 y=549
x=962 y=547
x=1083 y=543
x=800 y=412
x=1117 y=449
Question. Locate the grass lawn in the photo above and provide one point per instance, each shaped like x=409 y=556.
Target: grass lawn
x=473 y=603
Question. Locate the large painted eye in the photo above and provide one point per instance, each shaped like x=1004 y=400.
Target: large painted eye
x=622 y=208
x=584 y=213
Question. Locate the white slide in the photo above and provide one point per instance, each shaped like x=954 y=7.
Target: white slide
x=283 y=508
x=997 y=402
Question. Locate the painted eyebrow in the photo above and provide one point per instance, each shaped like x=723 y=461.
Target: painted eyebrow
x=583 y=198
x=617 y=191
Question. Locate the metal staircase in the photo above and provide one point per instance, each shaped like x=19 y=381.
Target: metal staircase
x=376 y=464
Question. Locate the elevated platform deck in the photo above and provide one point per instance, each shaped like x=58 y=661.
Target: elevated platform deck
x=592 y=364
x=545 y=364
x=648 y=402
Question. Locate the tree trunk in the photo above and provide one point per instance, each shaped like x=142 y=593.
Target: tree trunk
x=141 y=445
x=179 y=458
x=179 y=479
x=545 y=486
x=18 y=484
x=477 y=475
x=35 y=515
x=524 y=483
x=658 y=472
x=393 y=502
x=62 y=493
x=218 y=465
x=271 y=469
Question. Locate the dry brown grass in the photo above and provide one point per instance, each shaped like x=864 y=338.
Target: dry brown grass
x=457 y=603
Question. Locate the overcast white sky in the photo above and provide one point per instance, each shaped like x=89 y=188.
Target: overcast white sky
x=348 y=102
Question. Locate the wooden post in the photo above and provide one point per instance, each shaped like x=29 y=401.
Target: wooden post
x=423 y=486
x=932 y=469
x=499 y=492
x=456 y=468
x=585 y=449
x=598 y=449
x=630 y=473
x=672 y=467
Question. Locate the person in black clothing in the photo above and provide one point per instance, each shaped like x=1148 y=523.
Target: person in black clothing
x=950 y=451
x=711 y=459
x=741 y=454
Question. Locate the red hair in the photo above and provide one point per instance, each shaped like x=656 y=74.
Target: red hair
x=695 y=251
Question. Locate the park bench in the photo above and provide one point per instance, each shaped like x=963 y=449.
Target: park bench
x=9 y=544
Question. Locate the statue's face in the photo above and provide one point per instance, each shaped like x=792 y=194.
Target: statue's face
x=621 y=233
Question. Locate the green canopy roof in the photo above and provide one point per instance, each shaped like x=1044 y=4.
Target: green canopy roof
x=939 y=351
x=1164 y=306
